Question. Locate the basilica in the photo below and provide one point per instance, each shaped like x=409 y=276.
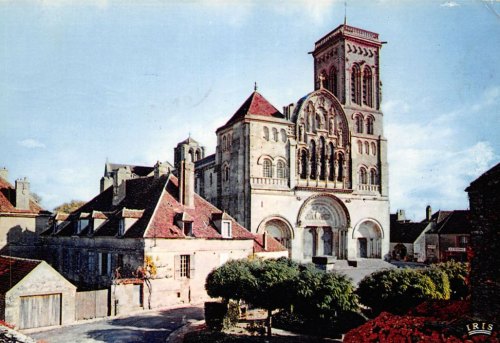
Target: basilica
x=314 y=175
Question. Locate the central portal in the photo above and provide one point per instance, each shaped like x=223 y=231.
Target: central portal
x=324 y=221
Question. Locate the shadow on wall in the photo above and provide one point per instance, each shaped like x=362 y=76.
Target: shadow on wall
x=21 y=242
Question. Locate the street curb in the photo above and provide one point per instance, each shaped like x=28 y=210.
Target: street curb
x=177 y=336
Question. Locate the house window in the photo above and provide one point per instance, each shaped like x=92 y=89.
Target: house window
x=280 y=169
x=226 y=231
x=104 y=263
x=267 y=169
x=185 y=266
x=463 y=241
x=121 y=227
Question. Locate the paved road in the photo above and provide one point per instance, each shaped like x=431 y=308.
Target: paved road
x=150 y=326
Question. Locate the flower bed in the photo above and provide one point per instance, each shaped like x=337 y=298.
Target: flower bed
x=433 y=321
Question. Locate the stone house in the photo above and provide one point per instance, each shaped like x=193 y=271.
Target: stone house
x=484 y=199
x=21 y=218
x=408 y=238
x=33 y=294
x=153 y=234
x=314 y=176
x=449 y=237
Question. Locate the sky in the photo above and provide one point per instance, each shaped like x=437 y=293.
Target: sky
x=85 y=81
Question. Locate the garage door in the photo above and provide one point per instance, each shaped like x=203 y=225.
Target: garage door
x=40 y=310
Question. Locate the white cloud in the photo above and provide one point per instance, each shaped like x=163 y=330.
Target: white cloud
x=31 y=143
x=430 y=162
x=450 y=4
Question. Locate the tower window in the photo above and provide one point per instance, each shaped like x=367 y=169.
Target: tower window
x=332 y=81
x=369 y=125
x=358 y=122
x=280 y=170
x=267 y=169
x=367 y=87
x=275 y=134
x=266 y=133
x=356 y=84
x=373 y=177
x=360 y=147
x=362 y=176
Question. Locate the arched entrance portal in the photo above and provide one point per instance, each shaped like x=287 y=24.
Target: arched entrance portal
x=324 y=221
x=369 y=239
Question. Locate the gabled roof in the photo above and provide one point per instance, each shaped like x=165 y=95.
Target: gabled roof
x=257 y=105
x=405 y=232
x=13 y=270
x=8 y=199
x=458 y=222
x=155 y=199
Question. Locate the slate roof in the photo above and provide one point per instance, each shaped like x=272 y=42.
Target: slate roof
x=153 y=201
x=137 y=170
x=256 y=104
x=458 y=222
x=488 y=179
x=405 y=232
x=13 y=270
x=8 y=200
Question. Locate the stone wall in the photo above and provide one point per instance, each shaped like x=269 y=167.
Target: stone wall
x=485 y=218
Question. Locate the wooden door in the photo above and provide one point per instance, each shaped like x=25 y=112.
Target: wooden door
x=39 y=311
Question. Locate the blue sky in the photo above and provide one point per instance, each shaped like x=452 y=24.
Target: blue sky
x=82 y=81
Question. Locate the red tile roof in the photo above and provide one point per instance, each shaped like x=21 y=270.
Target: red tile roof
x=272 y=244
x=256 y=104
x=163 y=224
x=8 y=199
x=13 y=270
x=156 y=199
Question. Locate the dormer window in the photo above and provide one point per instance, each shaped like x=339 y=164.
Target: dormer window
x=226 y=229
x=82 y=224
x=188 y=228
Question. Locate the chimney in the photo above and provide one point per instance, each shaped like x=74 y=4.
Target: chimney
x=401 y=216
x=186 y=183
x=22 y=194
x=264 y=240
x=428 y=212
x=4 y=174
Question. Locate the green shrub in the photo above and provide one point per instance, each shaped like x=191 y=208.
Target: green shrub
x=214 y=315
x=457 y=273
x=396 y=290
x=441 y=281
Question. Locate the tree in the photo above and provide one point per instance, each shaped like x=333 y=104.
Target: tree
x=396 y=290
x=273 y=278
x=69 y=207
x=232 y=280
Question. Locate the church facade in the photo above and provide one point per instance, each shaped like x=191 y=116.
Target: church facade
x=314 y=176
